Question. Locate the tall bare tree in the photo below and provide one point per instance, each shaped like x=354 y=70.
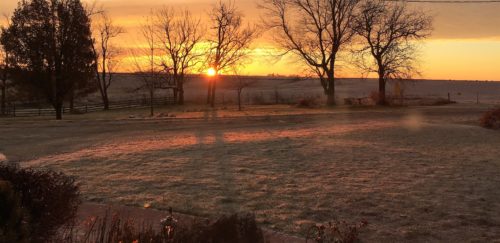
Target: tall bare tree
x=179 y=34
x=105 y=54
x=229 y=43
x=314 y=30
x=146 y=63
x=389 y=31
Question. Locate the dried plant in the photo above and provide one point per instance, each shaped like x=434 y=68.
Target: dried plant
x=491 y=119
x=114 y=227
x=335 y=232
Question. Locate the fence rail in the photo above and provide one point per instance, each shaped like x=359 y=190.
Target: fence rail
x=31 y=110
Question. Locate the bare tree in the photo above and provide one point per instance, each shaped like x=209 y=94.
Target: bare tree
x=241 y=83
x=179 y=35
x=316 y=31
x=389 y=31
x=146 y=65
x=105 y=54
x=230 y=41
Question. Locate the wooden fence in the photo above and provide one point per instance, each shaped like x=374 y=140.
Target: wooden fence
x=30 y=110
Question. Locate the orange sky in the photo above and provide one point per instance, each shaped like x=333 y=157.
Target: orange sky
x=465 y=43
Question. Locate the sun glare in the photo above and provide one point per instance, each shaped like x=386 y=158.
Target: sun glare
x=211 y=72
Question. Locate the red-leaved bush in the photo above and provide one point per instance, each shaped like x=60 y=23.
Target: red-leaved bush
x=491 y=119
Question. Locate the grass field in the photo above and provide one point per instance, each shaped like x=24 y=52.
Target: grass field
x=415 y=174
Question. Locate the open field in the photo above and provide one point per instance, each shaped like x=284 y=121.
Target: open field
x=265 y=89
x=415 y=174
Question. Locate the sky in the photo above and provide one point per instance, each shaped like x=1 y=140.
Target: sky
x=465 y=44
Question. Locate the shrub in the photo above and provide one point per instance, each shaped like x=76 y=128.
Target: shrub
x=442 y=101
x=235 y=228
x=491 y=119
x=259 y=99
x=365 y=101
x=50 y=198
x=13 y=220
x=307 y=103
x=335 y=232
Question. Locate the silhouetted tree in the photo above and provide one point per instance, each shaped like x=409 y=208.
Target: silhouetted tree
x=389 y=31
x=229 y=43
x=50 y=41
x=146 y=65
x=4 y=69
x=316 y=31
x=241 y=84
x=179 y=35
x=105 y=54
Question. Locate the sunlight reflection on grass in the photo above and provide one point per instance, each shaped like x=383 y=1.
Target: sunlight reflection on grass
x=188 y=139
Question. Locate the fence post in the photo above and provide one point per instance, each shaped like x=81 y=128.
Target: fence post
x=86 y=109
x=39 y=111
x=276 y=96
x=449 y=99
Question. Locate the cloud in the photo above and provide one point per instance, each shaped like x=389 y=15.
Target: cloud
x=453 y=21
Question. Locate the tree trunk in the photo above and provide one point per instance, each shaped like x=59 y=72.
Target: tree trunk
x=176 y=98
x=3 y=101
x=151 y=103
x=105 y=101
x=58 y=107
x=330 y=90
x=181 y=97
x=330 y=93
x=209 y=94
x=214 y=85
x=72 y=101
x=330 y=101
x=381 y=91
x=239 y=100
x=180 y=88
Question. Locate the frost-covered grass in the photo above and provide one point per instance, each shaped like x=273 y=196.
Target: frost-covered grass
x=418 y=174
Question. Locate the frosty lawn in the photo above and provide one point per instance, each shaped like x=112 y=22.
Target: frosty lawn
x=412 y=173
